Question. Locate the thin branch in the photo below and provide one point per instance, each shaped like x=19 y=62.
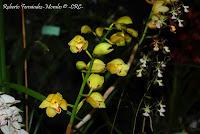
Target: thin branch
x=119 y=103
x=25 y=66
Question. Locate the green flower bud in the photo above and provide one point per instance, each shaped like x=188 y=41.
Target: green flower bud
x=132 y=32
x=102 y=49
x=86 y=29
x=99 y=31
x=80 y=65
x=124 y=20
x=97 y=67
x=95 y=81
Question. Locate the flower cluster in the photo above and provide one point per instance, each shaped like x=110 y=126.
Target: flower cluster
x=10 y=118
x=166 y=13
x=160 y=108
x=157 y=66
x=122 y=35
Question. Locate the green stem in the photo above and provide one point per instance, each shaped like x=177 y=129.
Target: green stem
x=145 y=30
x=69 y=127
x=79 y=98
x=24 y=90
x=88 y=53
x=139 y=105
x=105 y=35
x=149 y=85
x=2 y=48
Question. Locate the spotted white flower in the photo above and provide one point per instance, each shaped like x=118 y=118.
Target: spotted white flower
x=161 y=109
x=10 y=118
x=147 y=111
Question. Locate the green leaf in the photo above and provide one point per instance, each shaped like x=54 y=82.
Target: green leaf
x=24 y=90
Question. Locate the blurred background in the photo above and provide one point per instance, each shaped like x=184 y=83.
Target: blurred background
x=51 y=66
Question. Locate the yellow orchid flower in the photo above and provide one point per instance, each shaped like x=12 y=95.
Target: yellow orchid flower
x=117 y=66
x=53 y=104
x=98 y=66
x=95 y=81
x=159 y=7
x=77 y=44
x=96 y=100
x=121 y=23
x=120 y=38
x=157 y=21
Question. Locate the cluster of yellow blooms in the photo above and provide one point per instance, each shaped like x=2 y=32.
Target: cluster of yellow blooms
x=116 y=66
x=54 y=102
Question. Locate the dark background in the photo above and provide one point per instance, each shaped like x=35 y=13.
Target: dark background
x=54 y=70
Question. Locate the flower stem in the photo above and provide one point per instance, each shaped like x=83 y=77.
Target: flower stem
x=149 y=85
x=139 y=105
x=69 y=127
x=143 y=125
x=88 y=53
x=145 y=30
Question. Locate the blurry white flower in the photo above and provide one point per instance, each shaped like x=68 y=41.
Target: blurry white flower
x=10 y=119
x=180 y=22
x=174 y=14
x=160 y=82
x=156 y=48
x=144 y=60
x=159 y=73
x=161 y=109
x=157 y=44
x=162 y=64
x=166 y=49
x=146 y=111
x=139 y=72
x=186 y=9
